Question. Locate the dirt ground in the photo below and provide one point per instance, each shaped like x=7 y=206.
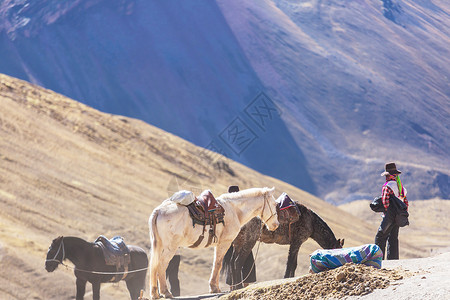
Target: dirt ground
x=430 y=280
x=423 y=278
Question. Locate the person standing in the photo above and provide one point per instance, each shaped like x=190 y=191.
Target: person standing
x=388 y=230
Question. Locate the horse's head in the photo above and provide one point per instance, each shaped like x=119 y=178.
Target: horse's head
x=55 y=254
x=270 y=209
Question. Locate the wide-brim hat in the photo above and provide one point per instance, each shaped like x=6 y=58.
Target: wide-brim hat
x=390 y=169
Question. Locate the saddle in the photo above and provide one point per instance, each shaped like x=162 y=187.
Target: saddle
x=287 y=210
x=116 y=253
x=205 y=210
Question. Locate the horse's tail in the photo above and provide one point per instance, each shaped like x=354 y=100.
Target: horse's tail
x=156 y=243
x=153 y=230
x=226 y=265
x=155 y=239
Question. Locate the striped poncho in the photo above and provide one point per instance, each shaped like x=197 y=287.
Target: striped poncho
x=325 y=259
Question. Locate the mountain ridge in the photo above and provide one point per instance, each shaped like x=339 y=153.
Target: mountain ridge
x=339 y=74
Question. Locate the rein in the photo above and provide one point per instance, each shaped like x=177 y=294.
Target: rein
x=104 y=273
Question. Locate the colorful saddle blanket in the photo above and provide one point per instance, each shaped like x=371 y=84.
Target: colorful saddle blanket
x=288 y=212
x=325 y=259
x=284 y=201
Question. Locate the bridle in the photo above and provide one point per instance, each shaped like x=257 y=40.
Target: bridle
x=61 y=247
x=264 y=206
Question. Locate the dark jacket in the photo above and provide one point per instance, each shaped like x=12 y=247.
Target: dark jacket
x=400 y=211
x=397 y=208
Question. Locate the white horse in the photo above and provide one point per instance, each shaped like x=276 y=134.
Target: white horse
x=171 y=227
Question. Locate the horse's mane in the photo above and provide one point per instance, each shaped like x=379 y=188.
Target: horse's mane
x=317 y=219
x=320 y=227
x=77 y=239
x=248 y=193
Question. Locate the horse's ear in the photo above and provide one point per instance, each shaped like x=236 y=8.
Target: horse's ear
x=271 y=191
x=341 y=242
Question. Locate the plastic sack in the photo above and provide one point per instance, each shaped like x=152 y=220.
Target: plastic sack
x=326 y=259
x=183 y=197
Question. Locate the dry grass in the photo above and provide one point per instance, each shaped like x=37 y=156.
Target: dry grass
x=67 y=169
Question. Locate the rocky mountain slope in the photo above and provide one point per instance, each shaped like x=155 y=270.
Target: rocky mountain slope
x=306 y=91
x=68 y=169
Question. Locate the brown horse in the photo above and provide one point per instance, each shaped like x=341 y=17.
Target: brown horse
x=308 y=225
x=90 y=265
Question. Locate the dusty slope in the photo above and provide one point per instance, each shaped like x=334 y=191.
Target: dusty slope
x=67 y=169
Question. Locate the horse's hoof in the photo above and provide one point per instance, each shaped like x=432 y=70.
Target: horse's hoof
x=168 y=295
x=155 y=296
x=214 y=290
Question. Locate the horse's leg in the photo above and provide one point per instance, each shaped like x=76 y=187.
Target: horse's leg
x=172 y=274
x=136 y=279
x=219 y=253
x=96 y=290
x=135 y=285
x=249 y=270
x=154 y=261
x=239 y=260
x=163 y=263
x=226 y=265
x=292 y=260
x=243 y=246
x=81 y=288
x=235 y=269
